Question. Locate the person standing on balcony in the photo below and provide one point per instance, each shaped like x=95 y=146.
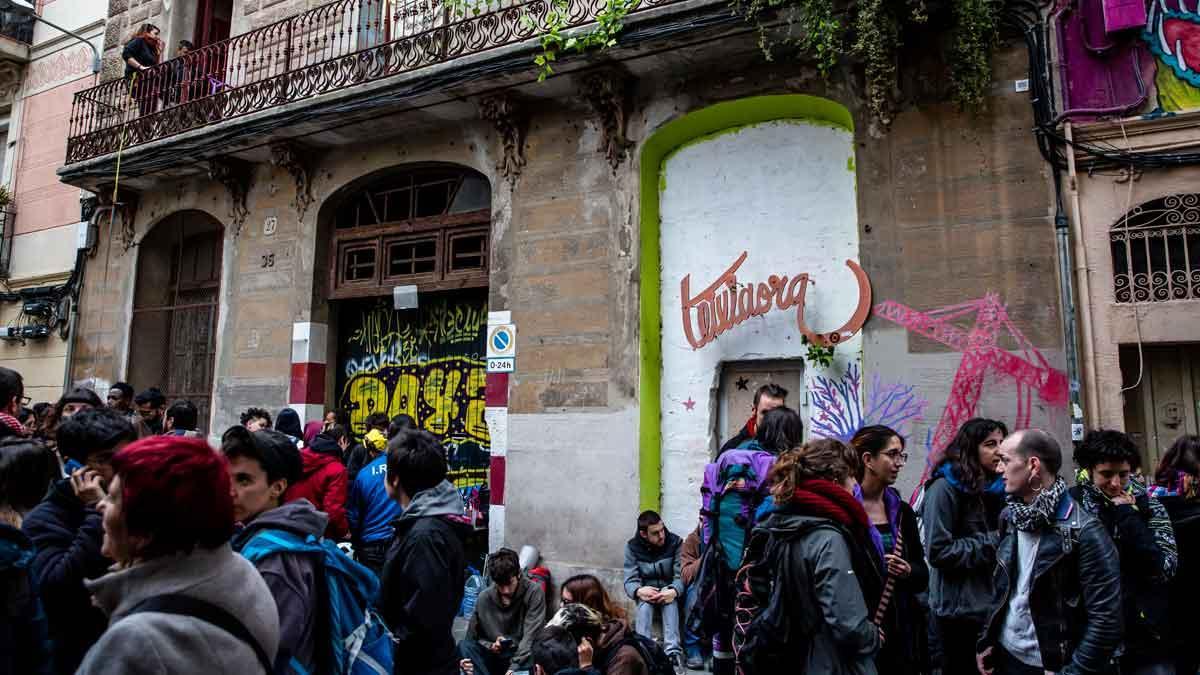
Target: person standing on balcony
x=141 y=53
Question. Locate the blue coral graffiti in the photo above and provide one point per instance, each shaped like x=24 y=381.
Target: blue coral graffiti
x=840 y=408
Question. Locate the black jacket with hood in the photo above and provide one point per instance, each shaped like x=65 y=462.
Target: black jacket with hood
x=66 y=536
x=1184 y=591
x=422 y=582
x=25 y=647
x=294 y=580
x=1075 y=589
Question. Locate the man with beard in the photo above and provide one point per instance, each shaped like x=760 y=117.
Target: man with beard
x=654 y=580
x=507 y=616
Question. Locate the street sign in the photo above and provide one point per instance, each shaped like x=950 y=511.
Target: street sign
x=501 y=348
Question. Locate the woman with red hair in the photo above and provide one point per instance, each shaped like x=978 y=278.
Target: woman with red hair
x=178 y=599
x=615 y=650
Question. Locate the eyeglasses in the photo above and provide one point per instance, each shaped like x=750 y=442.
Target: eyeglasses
x=25 y=400
x=894 y=455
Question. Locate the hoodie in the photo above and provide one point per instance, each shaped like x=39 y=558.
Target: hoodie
x=24 y=634
x=294 y=580
x=658 y=567
x=66 y=538
x=369 y=509
x=422 y=582
x=155 y=642
x=520 y=621
x=615 y=654
x=323 y=482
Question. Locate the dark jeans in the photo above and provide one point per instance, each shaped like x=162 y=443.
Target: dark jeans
x=372 y=555
x=1005 y=664
x=959 y=638
x=486 y=663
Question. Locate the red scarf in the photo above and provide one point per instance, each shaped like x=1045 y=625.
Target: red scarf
x=14 y=424
x=752 y=425
x=826 y=499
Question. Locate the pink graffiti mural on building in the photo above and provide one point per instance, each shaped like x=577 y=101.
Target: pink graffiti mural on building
x=839 y=413
x=981 y=356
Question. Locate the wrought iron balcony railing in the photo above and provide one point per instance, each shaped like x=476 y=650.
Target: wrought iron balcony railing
x=325 y=49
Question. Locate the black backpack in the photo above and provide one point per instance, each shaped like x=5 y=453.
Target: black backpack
x=656 y=659
x=770 y=633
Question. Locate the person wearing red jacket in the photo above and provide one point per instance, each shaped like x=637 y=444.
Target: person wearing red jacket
x=323 y=482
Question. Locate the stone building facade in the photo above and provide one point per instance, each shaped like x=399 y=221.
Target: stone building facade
x=617 y=201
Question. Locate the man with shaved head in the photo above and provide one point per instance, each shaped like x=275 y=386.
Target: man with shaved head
x=1057 y=591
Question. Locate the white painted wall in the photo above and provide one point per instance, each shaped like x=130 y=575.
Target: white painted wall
x=785 y=192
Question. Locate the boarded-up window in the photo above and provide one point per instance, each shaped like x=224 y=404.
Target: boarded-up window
x=172 y=342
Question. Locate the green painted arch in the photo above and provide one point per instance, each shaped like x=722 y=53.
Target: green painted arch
x=668 y=139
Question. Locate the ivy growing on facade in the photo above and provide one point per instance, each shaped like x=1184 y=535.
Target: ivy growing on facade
x=871 y=32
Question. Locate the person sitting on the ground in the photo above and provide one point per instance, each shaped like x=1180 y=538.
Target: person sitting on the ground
x=261 y=466
x=653 y=579
x=256 y=419
x=66 y=531
x=422 y=584
x=322 y=482
x=615 y=652
x=369 y=510
x=27 y=468
x=557 y=652
x=181 y=420
x=150 y=405
x=767 y=397
x=179 y=599
x=507 y=615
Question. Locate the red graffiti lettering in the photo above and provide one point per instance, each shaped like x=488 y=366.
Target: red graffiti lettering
x=725 y=304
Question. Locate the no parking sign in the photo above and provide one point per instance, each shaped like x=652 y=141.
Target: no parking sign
x=501 y=348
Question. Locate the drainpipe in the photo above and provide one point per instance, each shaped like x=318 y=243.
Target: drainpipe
x=1066 y=291
x=1080 y=273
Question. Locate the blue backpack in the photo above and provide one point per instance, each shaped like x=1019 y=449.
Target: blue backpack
x=359 y=643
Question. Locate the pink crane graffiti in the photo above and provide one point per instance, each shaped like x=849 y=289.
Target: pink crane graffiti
x=981 y=355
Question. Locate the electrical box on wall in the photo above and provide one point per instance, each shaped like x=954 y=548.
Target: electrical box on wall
x=1122 y=15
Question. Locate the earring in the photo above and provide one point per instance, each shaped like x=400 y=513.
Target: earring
x=1040 y=486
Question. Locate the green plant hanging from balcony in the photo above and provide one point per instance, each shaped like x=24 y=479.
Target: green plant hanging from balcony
x=870 y=31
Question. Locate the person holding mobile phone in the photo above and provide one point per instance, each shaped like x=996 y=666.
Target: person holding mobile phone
x=507 y=615
x=67 y=533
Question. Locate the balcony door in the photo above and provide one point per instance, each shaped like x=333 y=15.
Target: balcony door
x=213 y=18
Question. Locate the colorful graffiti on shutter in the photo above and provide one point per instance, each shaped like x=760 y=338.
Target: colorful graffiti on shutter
x=427 y=363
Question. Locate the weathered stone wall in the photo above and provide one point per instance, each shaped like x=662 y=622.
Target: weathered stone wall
x=951 y=206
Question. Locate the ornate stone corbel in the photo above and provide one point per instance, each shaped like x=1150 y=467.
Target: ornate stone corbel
x=291 y=156
x=504 y=113
x=235 y=175
x=607 y=91
x=123 y=208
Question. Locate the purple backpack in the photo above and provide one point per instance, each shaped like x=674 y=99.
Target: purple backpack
x=734 y=487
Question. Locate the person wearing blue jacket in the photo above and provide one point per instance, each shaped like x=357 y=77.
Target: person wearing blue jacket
x=371 y=511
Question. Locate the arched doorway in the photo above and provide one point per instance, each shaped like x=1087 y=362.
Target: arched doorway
x=172 y=340
x=426 y=230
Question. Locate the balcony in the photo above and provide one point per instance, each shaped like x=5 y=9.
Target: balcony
x=16 y=34
x=336 y=46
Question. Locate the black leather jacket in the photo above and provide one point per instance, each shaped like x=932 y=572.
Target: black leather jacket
x=1076 y=593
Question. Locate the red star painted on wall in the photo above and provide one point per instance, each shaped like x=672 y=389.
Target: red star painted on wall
x=689 y=404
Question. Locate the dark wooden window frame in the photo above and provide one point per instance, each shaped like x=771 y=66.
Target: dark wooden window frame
x=443 y=227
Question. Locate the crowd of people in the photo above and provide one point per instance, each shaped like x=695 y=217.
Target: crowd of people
x=129 y=544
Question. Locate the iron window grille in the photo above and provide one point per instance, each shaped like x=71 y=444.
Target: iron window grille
x=1156 y=251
